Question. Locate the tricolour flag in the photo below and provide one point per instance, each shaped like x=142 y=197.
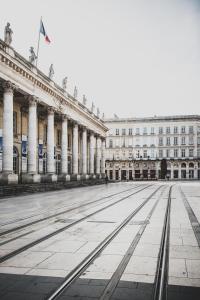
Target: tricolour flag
x=43 y=31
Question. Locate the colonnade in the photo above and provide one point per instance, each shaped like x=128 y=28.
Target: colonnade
x=96 y=144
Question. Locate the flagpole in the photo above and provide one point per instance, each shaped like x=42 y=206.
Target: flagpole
x=38 y=46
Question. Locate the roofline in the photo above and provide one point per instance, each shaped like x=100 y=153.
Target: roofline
x=154 y=119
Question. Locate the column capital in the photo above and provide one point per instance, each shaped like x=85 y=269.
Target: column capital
x=50 y=110
x=8 y=86
x=64 y=117
x=33 y=100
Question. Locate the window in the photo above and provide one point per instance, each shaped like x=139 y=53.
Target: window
x=183 y=129
x=145 y=153
x=15 y=123
x=160 y=130
x=160 y=141
x=183 y=140
x=175 y=140
x=191 y=129
x=175 y=152
x=175 y=129
x=168 y=141
x=117 y=132
x=191 y=152
x=110 y=143
x=191 y=140
x=168 y=153
x=160 y=153
x=130 y=131
x=152 y=130
x=58 y=137
x=198 y=152
x=167 y=129
x=152 y=153
x=198 y=140
x=137 y=130
x=123 y=131
x=144 y=130
x=182 y=152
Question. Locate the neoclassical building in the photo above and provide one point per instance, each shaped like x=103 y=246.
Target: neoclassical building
x=136 y=146
x=46 y=134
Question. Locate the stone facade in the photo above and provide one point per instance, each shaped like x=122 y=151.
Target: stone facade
x=136 y=146
x=45 y=134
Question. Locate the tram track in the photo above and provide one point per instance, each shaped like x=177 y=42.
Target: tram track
x=5 y=232
x=46 y=237
x=89 y=259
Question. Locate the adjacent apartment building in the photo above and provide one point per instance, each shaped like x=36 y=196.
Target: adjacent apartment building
x=136 y=146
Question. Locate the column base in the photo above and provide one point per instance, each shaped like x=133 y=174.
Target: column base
x=49 y=178
x=85 y=176
x=75 y=177
x=31 y=178
x=6 y=178
x=103 y=175
x=64 y=177
x=92 y=176
x=98 y=176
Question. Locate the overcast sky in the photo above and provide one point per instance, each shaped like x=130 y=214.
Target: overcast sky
x=131 y=57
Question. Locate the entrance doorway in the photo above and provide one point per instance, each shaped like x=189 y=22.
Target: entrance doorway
x=123 y=174
x=117 y=175
x=130 y=175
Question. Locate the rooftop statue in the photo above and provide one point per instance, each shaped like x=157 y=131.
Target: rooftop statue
x=75 y=92
x=98 y=112
x=8 y=34
x=51 y=72
x=32 y=57
x=64 y=83
x=93 y=107
x=84 y=100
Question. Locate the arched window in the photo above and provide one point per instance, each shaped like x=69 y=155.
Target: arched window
x=183 y=165
x=191 y=165
x=15 y=160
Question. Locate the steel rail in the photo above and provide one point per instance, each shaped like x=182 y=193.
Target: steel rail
x=44 y=238
x=60 y=213
x=161 y=278
x=82 y=266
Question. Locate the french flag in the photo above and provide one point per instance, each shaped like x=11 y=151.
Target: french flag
x=42 y=31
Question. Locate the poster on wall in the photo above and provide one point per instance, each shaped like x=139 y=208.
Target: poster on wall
x=40 y=156
x=24 y=153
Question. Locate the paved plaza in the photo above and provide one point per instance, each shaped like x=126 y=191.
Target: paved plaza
x=103 y=241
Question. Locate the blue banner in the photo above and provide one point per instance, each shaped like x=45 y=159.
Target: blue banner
x=40 y=150
x=24 y=148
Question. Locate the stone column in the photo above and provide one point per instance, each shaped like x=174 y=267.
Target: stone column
x=7 y=176
x=32 y=175
x=75 y=150
x=187 y=170
x=64 y=150
x=84 y=152
x=98 y=156
x=179 y=170
x=50 y=176
x=91 y=153
x=103 y=144
x=196 y=171
x=172 y=171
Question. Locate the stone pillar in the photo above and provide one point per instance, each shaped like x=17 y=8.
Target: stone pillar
x=103 y=144
x=84 y=152
x=32 y=175
x=75 y=152
x=50 y=176
x=187 y=171
x=196 y=171
x=64 y=151
x=179 y=171
x=92 y=153
x=7 y=175
x=172 y=171
x=98 y=156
